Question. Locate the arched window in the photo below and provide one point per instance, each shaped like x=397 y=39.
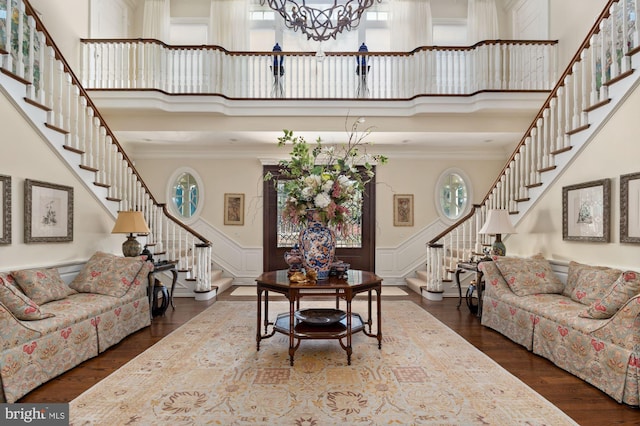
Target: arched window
x=185 y=194
x=453 y=195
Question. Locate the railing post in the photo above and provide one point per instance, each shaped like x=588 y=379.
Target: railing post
x=435 y=257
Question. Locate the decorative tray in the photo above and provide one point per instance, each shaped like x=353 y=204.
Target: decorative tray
x=320 y=316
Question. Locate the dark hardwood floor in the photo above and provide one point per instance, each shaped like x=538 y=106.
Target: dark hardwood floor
x=582 y=402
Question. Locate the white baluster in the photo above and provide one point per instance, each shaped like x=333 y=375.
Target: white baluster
x=41 y=62
x=20 y=61
x=636 y=30
x=101 y=152
x=75 y=116
x=615 y=69
x=553 y=125
x=30 y=73
x=545 y=139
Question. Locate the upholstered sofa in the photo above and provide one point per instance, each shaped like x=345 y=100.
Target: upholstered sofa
x=48 y=326
x=588 y=325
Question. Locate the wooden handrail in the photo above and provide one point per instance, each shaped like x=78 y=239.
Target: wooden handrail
x=310 y=53
x=455 y=225
x=554 y=93
x=58 y=54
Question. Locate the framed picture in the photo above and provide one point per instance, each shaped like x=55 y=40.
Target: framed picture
x=5 y=209
x=586 y=211
x=48 y=212
x=630 y=208
x=403 y=210
x=234 y=209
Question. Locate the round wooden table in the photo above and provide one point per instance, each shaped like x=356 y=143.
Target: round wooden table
x=340 y=288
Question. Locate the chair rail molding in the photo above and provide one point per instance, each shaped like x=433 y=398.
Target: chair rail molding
x=244 y=264
x=395 y=263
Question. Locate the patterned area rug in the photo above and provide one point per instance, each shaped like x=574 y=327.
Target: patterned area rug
x=209 y=372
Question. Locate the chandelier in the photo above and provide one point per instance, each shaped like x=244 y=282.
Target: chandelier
x=320 y=24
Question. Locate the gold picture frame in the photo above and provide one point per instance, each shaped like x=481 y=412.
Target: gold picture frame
x=629 y=202
x=234 y=209
x=5 y=209
x=48 y=212
x=586 y=211
x=403 y=210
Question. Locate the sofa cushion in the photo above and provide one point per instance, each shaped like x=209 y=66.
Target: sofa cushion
x=529 y=276
x=20 y=305
x=590 y=283
x=577 y=269
x=625 y=287
x=42 y=285
x=107 y=274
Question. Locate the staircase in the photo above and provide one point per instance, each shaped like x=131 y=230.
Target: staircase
x=39 y=82
x=598 y=78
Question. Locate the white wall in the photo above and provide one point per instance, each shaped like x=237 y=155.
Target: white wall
x=572 y=31
x=26 y=156
x=399 y=176
x=614 y=151
x=67 y=21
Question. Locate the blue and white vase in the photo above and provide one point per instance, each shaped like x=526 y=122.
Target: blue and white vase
x=317 y=243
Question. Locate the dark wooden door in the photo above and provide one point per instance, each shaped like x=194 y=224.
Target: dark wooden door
x=362 y=257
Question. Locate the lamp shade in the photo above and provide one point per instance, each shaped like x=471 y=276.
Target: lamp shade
x=498 y=222
x=130 y=222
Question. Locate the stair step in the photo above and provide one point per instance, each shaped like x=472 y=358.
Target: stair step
x=72 y=149
x=222 y=284
x=37 y=104
x=216 y=275
x=56 y=128
x=422 y=275
x=415 y=284
x=15 y=76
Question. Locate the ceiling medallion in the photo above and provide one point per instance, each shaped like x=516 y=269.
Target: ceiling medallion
x=320 y=24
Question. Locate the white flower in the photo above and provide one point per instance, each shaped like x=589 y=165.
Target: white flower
x=344 y=181
x=307 y=193
x=322 y=200
x=326 y=187
x=312 y=181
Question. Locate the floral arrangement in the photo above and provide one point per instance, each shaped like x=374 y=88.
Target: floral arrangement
x=327 y=179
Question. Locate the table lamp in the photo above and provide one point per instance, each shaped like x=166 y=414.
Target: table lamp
x=498 y=223
x=130 y=222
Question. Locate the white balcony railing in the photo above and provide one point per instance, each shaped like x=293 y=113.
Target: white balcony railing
x=486 y=66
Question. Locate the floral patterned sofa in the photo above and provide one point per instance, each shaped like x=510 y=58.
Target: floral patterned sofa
x=589 y=326
x=48 y=326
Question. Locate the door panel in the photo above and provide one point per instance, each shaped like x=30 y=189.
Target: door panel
x=359 y=258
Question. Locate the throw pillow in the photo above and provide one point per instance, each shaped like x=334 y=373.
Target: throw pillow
x=20 y=305
x=529 y=276
x=576 y=269
x=42 y=285
x=107 y=274
x=625 y=287
x=592 y=283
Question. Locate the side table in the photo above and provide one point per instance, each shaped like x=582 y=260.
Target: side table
x=463 y=267
x=164 y=266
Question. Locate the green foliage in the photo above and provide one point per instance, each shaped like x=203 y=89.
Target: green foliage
x=325 y=178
